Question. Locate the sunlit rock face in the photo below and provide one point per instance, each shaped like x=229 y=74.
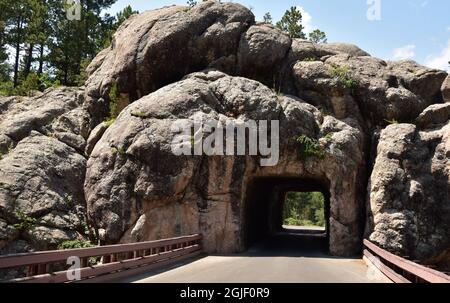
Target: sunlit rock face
x=42 y=170
x=145 y=191
x=409 y=190
x=381 y=128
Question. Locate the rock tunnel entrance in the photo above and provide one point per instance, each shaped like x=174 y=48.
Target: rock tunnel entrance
x=265 y=200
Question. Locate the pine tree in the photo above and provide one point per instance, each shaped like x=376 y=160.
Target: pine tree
x=16 y=23
x=192 y=3
x=317 y=36
x=34 y=34
x=126 y=13
x=74 y=41
x=267 y=18
x=5 y=68
x=291 y=23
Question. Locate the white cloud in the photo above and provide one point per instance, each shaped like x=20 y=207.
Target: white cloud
x=405 y=52
x=448 y=29
x=440 y=61
x=425 y=3
x=306 y=20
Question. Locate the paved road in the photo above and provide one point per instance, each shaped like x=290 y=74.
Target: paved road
x=285 y=258
x=305 y=228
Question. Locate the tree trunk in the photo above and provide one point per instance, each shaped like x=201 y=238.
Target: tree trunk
x=17 y=55
x=29 y=60
x=66 y=70
x=41 y=59
x=86 y=49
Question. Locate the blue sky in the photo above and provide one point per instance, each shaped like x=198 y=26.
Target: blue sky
x=407 y=29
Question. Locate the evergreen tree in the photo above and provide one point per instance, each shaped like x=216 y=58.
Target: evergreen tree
x=16 y=22
x=126 y=13
x=5 y=68
x=318 y=36
x=35 y=34
x=75 y=41
x=267 y=18
x=291 y=23
x=192 y=3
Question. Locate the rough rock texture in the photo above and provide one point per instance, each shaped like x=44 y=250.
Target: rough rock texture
x=41 y=179
x=21 y=115
x=434 y=115
x=158 y=47
x=446 y=89
x=409 y=192
x=261 y=52
x=42 y=170
x=134 y=182
x=180 y=63
x=368 y=88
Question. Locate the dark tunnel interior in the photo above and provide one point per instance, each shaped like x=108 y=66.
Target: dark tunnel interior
x=263 y=217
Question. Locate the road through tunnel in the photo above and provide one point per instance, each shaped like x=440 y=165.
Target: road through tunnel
x=265 y=203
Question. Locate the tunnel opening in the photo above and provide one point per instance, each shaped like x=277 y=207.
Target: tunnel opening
x=267 y=212
x=304 y=212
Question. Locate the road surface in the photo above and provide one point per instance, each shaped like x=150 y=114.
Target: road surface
x=285 y=258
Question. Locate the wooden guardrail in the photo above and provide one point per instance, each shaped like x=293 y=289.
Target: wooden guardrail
x=400 y=270
x=103 y=263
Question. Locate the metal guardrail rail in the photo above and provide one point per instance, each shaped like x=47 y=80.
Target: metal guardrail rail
x=115 y=261
x=400 y=270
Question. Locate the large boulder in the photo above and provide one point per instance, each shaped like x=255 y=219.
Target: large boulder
x=367 y=88
x=446 y=89
x=158 y=47
x=409 y=192
x=42 y=168
x=434 y=115
x=262 y=51
x=41 y=193
x=302 y=50
x=135 y=182
x=24 y=114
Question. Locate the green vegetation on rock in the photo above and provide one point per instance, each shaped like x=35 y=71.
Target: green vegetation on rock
x=308 y=147
x=26 y=222
x=114 y=101
x=72 y=244
x=344 y=76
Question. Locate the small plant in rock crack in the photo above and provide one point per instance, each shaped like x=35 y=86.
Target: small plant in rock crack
x=276 y=86
x=391 y=122
x=139 y=114
x=68 y=200
x=114 y=101
x=329 y=136
x=325 y=112
x=310 y=59
x=51 y=134
x=109 y=122
x=119 y=150
x=26 y=222
x=308 y=147
x=344 y=76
